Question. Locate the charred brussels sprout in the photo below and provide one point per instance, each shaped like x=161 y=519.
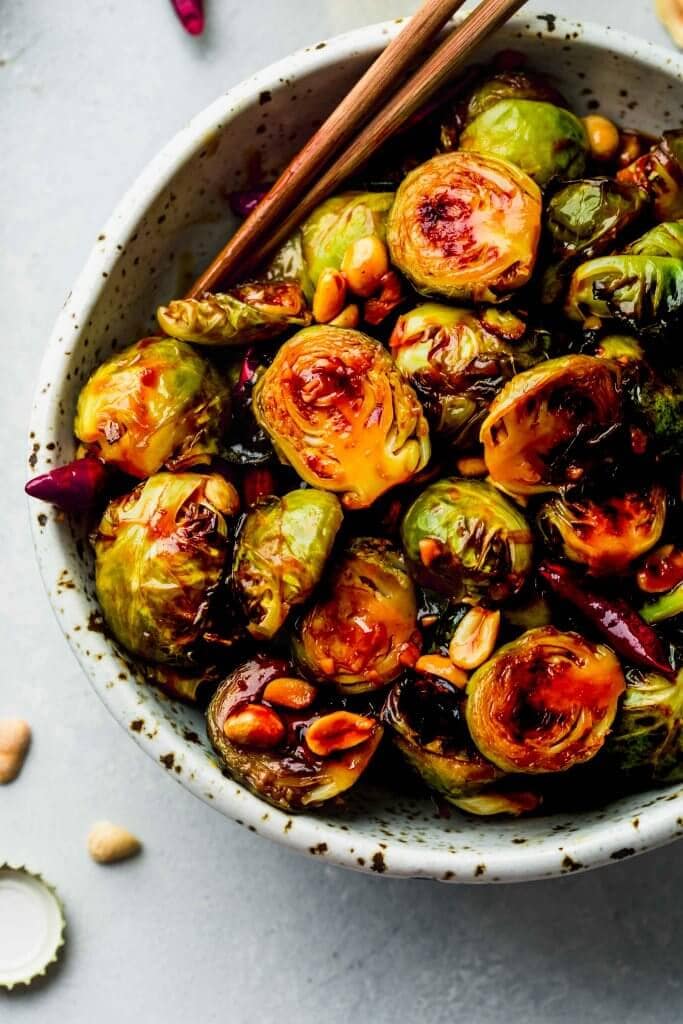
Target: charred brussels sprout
x=159 y=554
x=339 y=412
x=645 y=293
x=339 y=221
x=646 y=742
x=531 y=421
x=248 y=313
x=543 y=140
x=585 y=218
x=426 y=716
x=608 y=535
x=280 y=555
x=259 y=721
x=364 y=632
x=544 y=702
x=465 y=539
x=666 y=606
x=662 y=240
x=518 y=84
x=156 y=403
x=466 y=227
x=457 y=359
x=660 y=173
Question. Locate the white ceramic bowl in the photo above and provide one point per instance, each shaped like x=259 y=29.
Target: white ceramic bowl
x=170 y=223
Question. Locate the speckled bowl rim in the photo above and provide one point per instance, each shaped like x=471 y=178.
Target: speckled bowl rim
x=599 y=843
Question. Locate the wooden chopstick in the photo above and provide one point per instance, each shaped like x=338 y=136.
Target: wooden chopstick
x=284 y=207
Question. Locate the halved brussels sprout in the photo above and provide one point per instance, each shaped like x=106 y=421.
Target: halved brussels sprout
x=426 y=716
x=457 y=359
x=543 y=140
x=660 y=173
x=160 y=552
x=465 y=539
x=647 y=739
x=339 y=412
x=339 y=221
x=585 y=218
x=363 y=633
x=531 y=421
x=156 y=403
x=280 y=555
x=643 y=292
x=466 y=227
x=607 y=535
x=544 y=702
x=288 y=264
x=247 y=313
x=282 y=769
x=662 y=240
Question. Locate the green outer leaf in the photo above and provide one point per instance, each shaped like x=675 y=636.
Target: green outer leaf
x=339 y=221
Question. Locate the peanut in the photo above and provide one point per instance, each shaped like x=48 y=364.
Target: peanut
x=254 y=726
x=330 y=296
x=222 y=495
x=630 y=148
x=437 y=665
x=603 y=137
x=671 y=15
x=471 y=466
x=349 y=317
x=474 y=638
x=365 y=263
x=15 y=736
x=108 y=843
x=290 y=693
x=340 y=730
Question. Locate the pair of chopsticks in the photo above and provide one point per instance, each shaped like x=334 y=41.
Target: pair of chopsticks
x=357 y=128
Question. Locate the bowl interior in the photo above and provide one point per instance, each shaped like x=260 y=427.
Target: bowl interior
x=165 y=230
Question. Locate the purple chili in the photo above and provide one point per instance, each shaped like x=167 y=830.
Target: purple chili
x=625 y=630
x=73 y=487
x=191 y=14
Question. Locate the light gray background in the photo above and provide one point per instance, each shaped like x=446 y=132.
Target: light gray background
x=211 y=923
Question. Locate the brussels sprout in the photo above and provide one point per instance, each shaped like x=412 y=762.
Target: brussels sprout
x=465 y=539
x=457 y=359
x=466 y=227
x=647 y=739
x=282 y=769
x=339 y=221
x=585 y=218
x=643 y=292
x=531 y=422
x=544 y=702
x=288 y=264
x=607 y=535
x=660 y=173
x=364 y=632
x=156 y=403
x=426 y=716
x=280 y=555
x=248 y=313
x=544 y=141
x=339 y=412
x=667 y=606
x=159 y=554
x=662 y=240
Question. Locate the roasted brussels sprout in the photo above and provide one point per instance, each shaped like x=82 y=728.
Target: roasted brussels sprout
x=662 y=240
x=159 y=554
x=531 y=421
x=666 y=606
x=363 y=633
x=259 y=728
x=457 y=359
x=288 y=264
x=339 y=221
x=586 y=218
x=248 y=313
x=337 y=409
x=544 y=702
x=545 y=141
x=465 y=539
x=660 y=173
x=607 y=535
x=427 y=719
x=156 y=403
x=516 y=84
x=646 y=742
x=465 y=227
x=645 y=293
x=280 y=554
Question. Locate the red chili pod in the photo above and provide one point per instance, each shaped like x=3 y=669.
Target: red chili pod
x=257 y=483
x=191 y=14
x=73 y=487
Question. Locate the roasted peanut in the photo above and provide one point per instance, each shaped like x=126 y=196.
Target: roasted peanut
x=471 y=466
x=222 y=495
x=15 y=736
x=330 y=295
x=108 y=843
x=671 y=15
x=290 y=693
x=349 y=317
x=475 y=638
x=630 y=148
x=340 y=730
x=437 y=665
x=365 y=263
x=603 y=137
x=254 y=726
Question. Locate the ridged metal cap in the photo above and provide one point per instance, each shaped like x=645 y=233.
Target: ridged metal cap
x=31 y=926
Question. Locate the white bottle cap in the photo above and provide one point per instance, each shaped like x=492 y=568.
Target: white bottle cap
x=31 y=926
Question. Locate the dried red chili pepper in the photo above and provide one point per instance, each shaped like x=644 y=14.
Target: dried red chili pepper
x=73 y=487
x=378 y=308
x=257 y=483
x=625 y=630
x=191 y=14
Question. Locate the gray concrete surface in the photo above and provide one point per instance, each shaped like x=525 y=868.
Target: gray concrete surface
x=212 y=924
